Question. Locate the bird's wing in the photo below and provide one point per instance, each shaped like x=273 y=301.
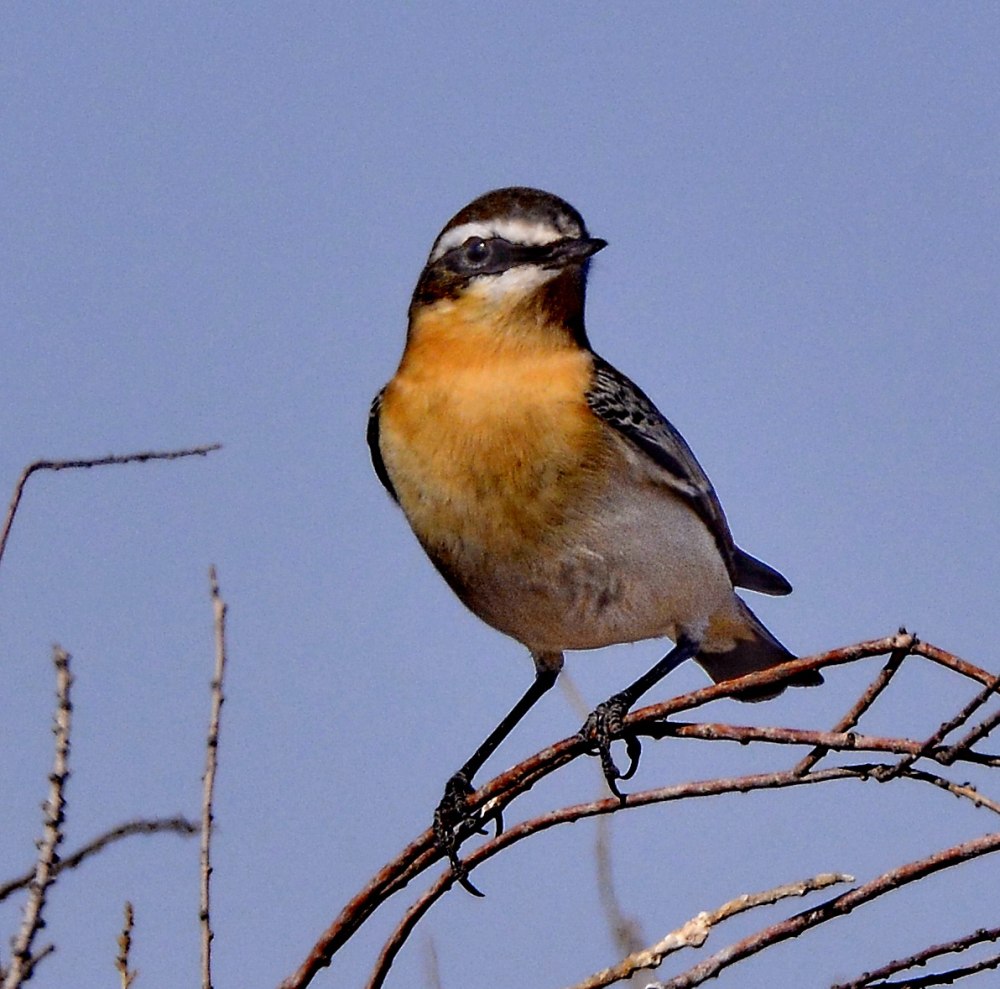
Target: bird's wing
x=373 y=445
x=625 y=407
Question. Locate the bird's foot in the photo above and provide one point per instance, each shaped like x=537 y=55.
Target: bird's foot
x=603 y=725
x=453 y=823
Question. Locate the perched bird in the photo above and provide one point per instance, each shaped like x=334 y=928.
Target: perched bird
x=551 y=494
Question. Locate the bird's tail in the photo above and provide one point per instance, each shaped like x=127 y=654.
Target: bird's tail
x=760 y=650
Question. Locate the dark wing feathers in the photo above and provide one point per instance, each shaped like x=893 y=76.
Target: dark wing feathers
x=373 y=446
x=625 y=407
x=756 y=575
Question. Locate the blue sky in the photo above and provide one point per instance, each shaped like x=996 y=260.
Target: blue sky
x=211 y=219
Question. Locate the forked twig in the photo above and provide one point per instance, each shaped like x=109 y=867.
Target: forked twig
x=865 y=701
x=975 y=735
x=944 y=730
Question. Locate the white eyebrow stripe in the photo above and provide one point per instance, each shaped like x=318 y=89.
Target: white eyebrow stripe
x=527 y=232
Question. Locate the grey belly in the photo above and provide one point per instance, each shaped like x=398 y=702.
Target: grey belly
x=642 y=565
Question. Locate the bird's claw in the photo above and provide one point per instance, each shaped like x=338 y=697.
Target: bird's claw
x=603 y=725
x=453 y=823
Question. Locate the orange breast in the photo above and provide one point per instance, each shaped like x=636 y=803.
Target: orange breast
x=486 y=434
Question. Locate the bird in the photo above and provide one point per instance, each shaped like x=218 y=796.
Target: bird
x=547 y=489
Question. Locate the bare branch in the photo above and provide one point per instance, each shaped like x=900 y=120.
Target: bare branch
x=124 y=947
x=864 y=702
x=945 y=729
x=126 y=458
x=568 y=815
x=829 y=740
x=951 y=976
x=965 y=743
x=952 y=662
x=695 y=932
x=921 y=958
x=837 y=907
x=965 y=791
x=23 y=961
x=208 y=781
x=499 y=792
x=178 y=825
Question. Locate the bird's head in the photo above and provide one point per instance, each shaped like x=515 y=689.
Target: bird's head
x=516 y=253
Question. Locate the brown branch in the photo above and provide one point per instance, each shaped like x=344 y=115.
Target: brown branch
x=965 y=743
x=597 y=808
x=651 y=720
x=952 y=662
x=945 y=729
x=837 y=907
x=865 y=701
x=208 y=780
x=127 y=458
x=178 y=825
x=830 y=740
x=568 y=815
x=964 y=791
x=947 y=978
x=921 y=958
x=499 y=792
x=22 y=961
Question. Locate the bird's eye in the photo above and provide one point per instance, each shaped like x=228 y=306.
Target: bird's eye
x=476 y=251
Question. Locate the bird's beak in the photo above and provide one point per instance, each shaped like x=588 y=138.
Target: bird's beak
x=569 y=252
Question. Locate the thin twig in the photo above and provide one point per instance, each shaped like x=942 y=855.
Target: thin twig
x=947 y=978
x=865 y=701
x=966 y=742
x=943 y=730
x=178 y=825
x=695 y=932
x=837 y=907
x=22 y=961
x=836 y=741
x=208 y=781
x=921 y=958
x=124 y=948
x=964 y=791
x=126 y=458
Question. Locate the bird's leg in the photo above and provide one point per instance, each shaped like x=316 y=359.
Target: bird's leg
x=605 y=722
x=452 y=823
